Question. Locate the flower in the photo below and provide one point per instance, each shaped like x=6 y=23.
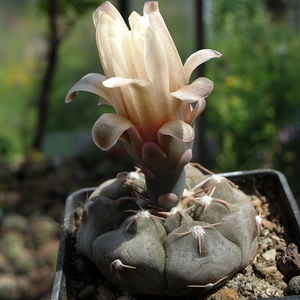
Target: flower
x=148 y=86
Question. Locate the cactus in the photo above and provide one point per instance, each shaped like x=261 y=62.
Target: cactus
x=166 y=228
x=25 y=263
x=197 y=245
x=12 y=245
x=8 y=288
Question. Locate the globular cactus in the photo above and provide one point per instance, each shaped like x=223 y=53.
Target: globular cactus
x=12 y=245
x=186 y=251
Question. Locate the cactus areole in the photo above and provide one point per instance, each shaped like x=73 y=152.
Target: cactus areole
x=166 y=228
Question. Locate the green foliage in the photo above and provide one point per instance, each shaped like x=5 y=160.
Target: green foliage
x=68 y=8
x=23 y=27
x=20 y=55
x=256 y=92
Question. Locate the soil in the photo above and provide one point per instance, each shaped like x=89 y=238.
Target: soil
x=267 y=276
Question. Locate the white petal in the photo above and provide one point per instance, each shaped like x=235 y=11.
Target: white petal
x=156 y=62
x=109 y=128
x=178 y=130
x=109 y=9
x=176 y=72
x=103 y=44
x=89 y=83
x=150 y=6
x=106 y=26
x=158 y=73
x=197 y=59
x=120 y=60
x=120 y=81
x=199 y=89
x=137 y=47
x=137 y=22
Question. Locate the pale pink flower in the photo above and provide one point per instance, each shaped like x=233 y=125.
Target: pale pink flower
x=148 y=86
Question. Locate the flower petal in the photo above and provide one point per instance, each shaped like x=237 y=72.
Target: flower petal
x=121 y=58
x=176 y=72
x=120 y=81
x=110 y=10
x=108 y=30
x=178 y=130
x=191 y=115
x=137 y=47
x=137 y=22
x=158 y=73
x=149 y=7
x=156 y=63
x=90 y=83
x=141 y=109
x=199 y=89
x=109 y=128
x=175 y=138
x=197 y=59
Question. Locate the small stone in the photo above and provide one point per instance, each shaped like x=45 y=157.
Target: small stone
x=78 y=265
x=265 y=232
x=268 y=270
x=80 y=285
x=225 y=294
x=277 y=279
x=276 y=238
x=288 y=262
x=87 y=292
x=265 y=242
x=266 y=223
x=78 y=213
x=256 y=202
x=88 y=279
x=258 y=266
x=124 y=297
x=269 y=255
x=104 y=293
x=294 y=286
x=271 y=292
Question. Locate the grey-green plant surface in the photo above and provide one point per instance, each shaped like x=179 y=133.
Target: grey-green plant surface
x=186 y=251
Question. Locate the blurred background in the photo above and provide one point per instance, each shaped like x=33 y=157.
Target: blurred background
x=251 y=121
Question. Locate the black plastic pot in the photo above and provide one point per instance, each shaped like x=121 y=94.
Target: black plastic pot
x=269 y=183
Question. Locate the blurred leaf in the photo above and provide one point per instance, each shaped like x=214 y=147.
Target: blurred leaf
x=256 y=93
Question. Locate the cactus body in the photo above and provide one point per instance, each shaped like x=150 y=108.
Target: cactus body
x=186 y=251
